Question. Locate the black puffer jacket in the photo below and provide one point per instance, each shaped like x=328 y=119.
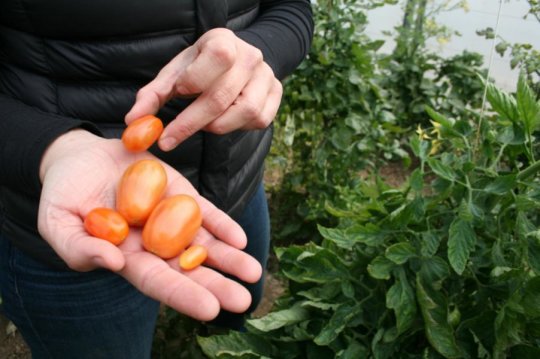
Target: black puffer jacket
x=67 y=64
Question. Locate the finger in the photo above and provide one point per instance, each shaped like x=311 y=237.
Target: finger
x=247 y=109
x=155 y=278
x=215 y=221
x=81 y=252
x=205 y=109
x=230 y=260
x=231 y=295
x=270 y=109
x=157 y=92
x=215 y=56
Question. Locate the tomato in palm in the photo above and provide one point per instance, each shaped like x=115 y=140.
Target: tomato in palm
x=108 y=224
x=141 y=188
x=193 y=257
x=172 y=226
x=142 y=133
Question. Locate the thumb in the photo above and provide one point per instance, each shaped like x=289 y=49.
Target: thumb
x=84 y=253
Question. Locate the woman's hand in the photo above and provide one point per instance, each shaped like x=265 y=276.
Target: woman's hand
x=236 y=89
x=79 y=172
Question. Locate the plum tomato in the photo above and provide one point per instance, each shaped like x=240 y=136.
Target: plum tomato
x=172 y=226
x=141 y=134
x=107 y=224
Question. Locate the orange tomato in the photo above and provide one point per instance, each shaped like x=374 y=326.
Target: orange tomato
x=172 y=226
x=193 y=257
x=107 y=224
x=142 y=133
x=141 y=188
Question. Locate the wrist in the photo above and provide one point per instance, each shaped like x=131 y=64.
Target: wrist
x=65 y=145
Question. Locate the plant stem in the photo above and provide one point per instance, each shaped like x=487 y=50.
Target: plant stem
x=529 y=171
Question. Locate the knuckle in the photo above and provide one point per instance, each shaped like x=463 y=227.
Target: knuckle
x=218 y=128
x=255 y=57
x=251 y=109
x=222 y=53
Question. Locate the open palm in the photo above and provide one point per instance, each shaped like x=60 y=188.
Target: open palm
x=80 y=172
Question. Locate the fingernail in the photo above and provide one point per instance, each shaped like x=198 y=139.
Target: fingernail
x=168 y=143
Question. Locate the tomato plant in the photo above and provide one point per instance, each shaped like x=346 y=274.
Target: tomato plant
x=193 y=257
x=142 y=133
x=172 y=225
x=141 y=188
x=107 y=224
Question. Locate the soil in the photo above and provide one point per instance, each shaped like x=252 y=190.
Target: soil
x=12 y=345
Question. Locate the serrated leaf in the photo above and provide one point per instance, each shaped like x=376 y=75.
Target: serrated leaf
x=340 y=319
x=442 y=170
x=461 y=241
x=532 y=298
x=282 y=318
x=380 y=268
x=400 y=253
x=504 y=104
x=416 y=180
x=528 y=109
x=238 y=345
x=434 y=309
x=430 y=244
x=434 y=270
x=533 y=254
x=501 y=185
x=401 y=298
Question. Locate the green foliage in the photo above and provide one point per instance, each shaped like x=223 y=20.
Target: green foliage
x=348 y=108
x=446 y=265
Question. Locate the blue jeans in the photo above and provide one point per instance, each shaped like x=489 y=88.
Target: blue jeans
x=98 y=314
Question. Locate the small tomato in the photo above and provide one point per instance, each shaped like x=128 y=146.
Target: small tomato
x=142 y=133
x=172 y=226
x=107 y=224
x=141 y=187
x=193 y=257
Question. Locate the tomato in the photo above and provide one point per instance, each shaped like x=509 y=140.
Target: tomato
x=106 y=223
x=141 y=187
x=172 y=226
x=193 y=257
x=142 y=133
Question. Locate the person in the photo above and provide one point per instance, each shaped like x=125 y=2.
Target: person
x=72 y=75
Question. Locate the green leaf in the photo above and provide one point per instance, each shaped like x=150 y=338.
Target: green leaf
x=434 y=270
x=400 y=253
x=416 y=180
x=442 y=170
x=235 y=344
x=533 y=254
x=502 y=185
x=531 y=299
x=435 y=313
x=311 y=263
x=430 y=244
x=337 y=236
x=400 y=297
x=504 y=104
x=528 y=109
x=461 y=241
x=340 y=319
x=440 y=119
x=380 y=268
x=282 y=318
x=355 y=350
x=419 y=147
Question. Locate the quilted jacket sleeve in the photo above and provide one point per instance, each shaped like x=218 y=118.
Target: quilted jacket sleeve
x=283 y=32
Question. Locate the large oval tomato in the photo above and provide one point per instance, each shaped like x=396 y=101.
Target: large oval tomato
x=141 y=188
x=142 y=133
x=106 y=223
x=172 y=226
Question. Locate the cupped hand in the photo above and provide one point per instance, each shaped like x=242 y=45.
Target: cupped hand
x=79 y=172
x=235 y=89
